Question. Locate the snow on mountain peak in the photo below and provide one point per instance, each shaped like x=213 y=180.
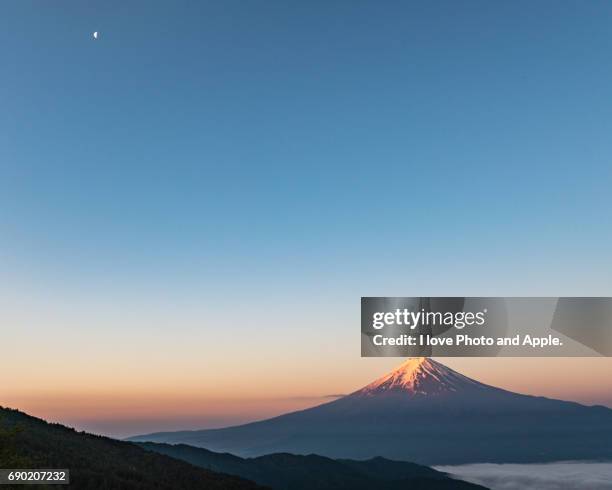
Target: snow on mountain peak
x=419 y=376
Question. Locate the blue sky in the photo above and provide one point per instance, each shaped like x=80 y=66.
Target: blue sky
x=292 y=156
x=235 y=137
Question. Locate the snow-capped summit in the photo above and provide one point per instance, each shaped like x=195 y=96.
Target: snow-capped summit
x=419 y=376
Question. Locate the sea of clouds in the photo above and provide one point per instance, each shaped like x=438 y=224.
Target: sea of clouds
x=551 y=476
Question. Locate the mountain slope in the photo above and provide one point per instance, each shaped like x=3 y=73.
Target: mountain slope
x=290 y=472
x=97 y=462
x=426 y=413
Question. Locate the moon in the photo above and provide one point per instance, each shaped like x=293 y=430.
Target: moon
x=95 y=35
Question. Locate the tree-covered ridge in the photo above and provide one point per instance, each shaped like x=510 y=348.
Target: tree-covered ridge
x=284 y=471
x=99 y=463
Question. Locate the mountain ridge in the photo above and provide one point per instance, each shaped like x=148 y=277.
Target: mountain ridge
x=284 y=471
x=97 y=462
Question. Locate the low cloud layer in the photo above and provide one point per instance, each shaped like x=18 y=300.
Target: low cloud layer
x=551 y=476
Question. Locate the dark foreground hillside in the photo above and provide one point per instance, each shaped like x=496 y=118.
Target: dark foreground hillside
x=293 y=472
x=96 y=462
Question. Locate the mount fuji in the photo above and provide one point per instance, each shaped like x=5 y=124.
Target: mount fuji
x=426 y=413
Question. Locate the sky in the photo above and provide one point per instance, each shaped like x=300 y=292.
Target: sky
x=192 y=205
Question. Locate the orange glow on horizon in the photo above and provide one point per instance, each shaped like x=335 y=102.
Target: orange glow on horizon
x=131 y=404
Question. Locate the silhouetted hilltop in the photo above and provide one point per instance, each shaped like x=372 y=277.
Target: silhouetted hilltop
x=97 y=462
x=291 y=472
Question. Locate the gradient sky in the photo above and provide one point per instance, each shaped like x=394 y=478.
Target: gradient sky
x=191 y=206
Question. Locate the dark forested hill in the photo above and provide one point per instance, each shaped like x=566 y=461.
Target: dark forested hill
x=99 y=463
x=293 y=472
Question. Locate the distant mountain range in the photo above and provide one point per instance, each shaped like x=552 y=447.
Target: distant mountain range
x=292 y=472
x=426 y=413
x=97 y=462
